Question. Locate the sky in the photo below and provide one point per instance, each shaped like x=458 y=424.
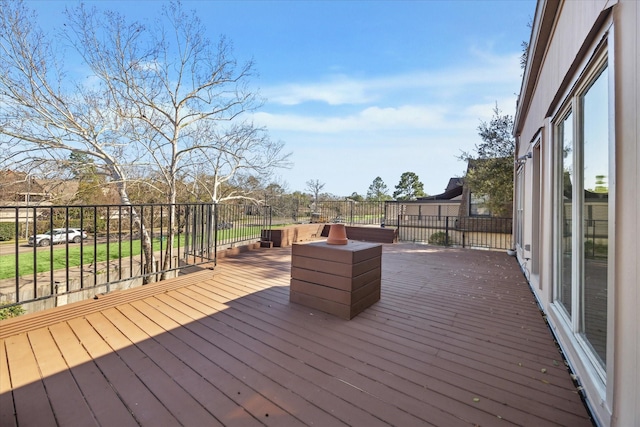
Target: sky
x=364 y=89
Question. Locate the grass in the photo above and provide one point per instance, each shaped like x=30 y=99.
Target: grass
x=88 y=254
x=98 y=253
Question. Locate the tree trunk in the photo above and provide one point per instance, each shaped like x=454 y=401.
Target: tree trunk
x=145 y=239
x=168 y=255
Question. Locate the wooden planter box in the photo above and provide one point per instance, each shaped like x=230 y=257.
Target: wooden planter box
x=342 y=280
x=286 y=236
x=291 y=234
x=373 y=234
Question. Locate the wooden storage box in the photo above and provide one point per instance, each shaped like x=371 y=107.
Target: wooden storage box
x=342 y=280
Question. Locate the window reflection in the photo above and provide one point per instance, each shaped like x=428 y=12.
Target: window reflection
x=566 y=137
x=595 y=211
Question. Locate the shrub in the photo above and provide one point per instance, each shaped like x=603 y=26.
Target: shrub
x=595 y=250
x=7 y=231
x=14 y=311
x=438 y=238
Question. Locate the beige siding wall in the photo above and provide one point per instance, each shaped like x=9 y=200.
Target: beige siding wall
x=577 y=29
x=575 y=20
x=432 y=209
x=571 y=29
x=625 y=392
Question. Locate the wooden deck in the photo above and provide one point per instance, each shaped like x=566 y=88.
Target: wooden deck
x=456 y=340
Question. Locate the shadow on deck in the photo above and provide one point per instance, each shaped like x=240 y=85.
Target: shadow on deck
x=456 y=340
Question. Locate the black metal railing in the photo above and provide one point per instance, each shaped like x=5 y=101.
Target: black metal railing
x=95 y=249
x=286 y=211
x=89 y=250
x=466 y=232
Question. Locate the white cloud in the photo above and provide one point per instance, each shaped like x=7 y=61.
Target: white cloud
x=373 y=118
x=335 y=91
x=482 y=68
x=404 y=119
x=384 y=126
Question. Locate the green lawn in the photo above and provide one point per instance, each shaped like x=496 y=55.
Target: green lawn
x=124 y=250
x=89 y=254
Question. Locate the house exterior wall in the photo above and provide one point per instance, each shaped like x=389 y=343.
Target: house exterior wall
x=422 y=208
x=566 y=40
x=625 y=394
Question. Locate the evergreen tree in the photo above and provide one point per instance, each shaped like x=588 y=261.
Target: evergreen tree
x=409 y=187
x=490 y=170
x=378 y=190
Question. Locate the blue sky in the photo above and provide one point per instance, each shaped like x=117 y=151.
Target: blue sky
x=360 y=89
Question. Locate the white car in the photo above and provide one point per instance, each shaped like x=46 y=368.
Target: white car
x=58 y=235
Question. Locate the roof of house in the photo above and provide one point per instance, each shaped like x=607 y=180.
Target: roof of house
x=61 y=190
x=453 y=190
x=13 y=183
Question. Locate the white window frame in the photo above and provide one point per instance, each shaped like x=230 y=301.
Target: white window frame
x=601 y=58
x=519 y=220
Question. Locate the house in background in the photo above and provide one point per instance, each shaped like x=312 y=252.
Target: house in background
x=577 y=177
x=21 y=190
x=452 y=192
x=23 y=198
x=456 y=200
x=61 y=191
x=446 y=203
x=20 y=187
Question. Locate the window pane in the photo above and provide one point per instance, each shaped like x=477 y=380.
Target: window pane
x=566 y=137
x=519 y=207
x=478 y=205
x=596 y=212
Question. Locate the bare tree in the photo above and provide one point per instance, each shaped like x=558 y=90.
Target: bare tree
x=314 y=186
x=44 y=117
x=182 y=99
x=236 y=162
x=162 y=97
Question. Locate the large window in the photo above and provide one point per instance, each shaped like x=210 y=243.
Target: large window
x=583 y=210
x=595 y=212
x=565 y=137
x=519 y=232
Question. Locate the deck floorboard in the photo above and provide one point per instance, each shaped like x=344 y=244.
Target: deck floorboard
x=455 y=340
